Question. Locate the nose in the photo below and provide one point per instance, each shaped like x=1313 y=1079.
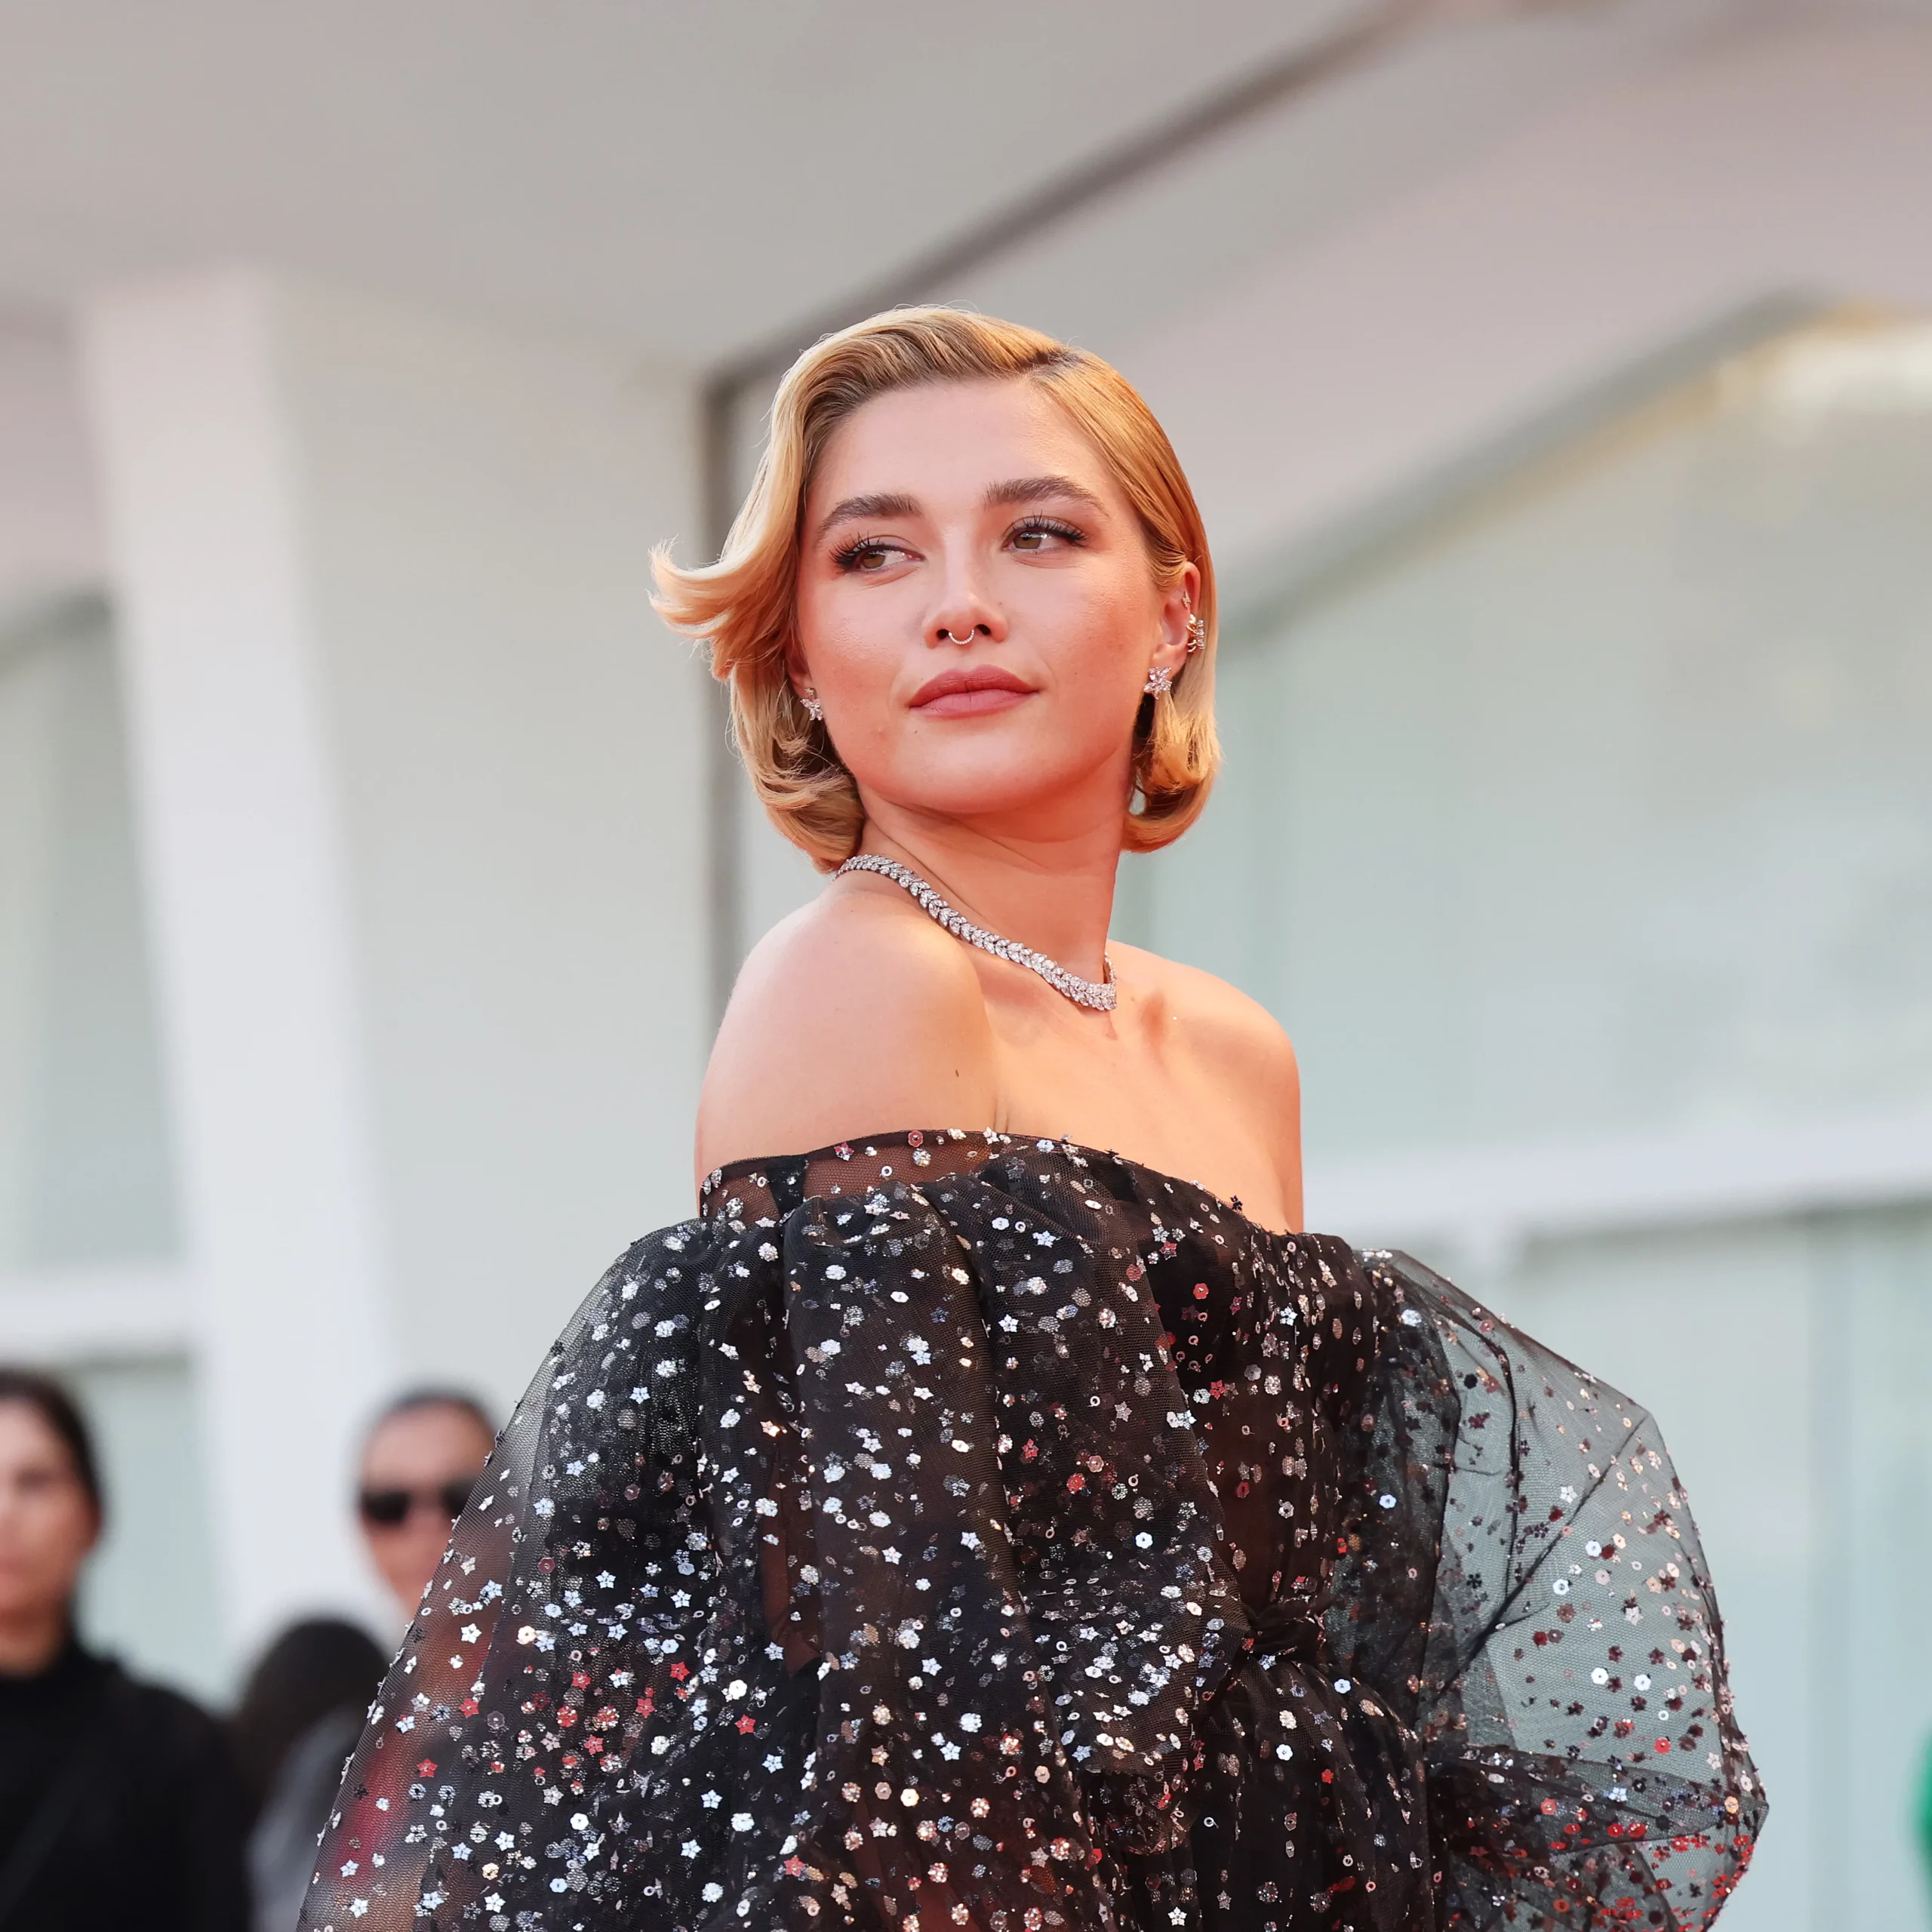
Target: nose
x=962 y=613
x=964 y=617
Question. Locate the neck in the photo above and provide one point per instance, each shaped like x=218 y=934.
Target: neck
x=1050 y=887
x=30 y=1641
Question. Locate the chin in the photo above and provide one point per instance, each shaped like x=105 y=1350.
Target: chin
x=979 y=787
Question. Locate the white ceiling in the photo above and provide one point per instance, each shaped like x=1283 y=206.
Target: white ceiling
x=683 y=179
x=676 y=174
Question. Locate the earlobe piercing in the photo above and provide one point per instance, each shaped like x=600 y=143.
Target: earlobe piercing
x=813 y=709
x=1159 y=679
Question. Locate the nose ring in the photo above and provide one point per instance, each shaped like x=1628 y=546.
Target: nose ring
x=967 y=638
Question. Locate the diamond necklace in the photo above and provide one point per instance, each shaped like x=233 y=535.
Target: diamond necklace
x=1100 y=994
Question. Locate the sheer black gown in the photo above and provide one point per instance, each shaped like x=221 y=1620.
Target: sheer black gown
x=957 y=1530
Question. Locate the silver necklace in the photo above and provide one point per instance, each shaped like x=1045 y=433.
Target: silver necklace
x=1100 y=994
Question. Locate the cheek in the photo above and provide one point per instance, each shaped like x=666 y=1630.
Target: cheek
x=60 y=1533
x=1101 y=622
x=83 y=1529
x=852 y=638
x=1101 y=652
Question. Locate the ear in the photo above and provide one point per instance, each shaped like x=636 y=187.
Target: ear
x=1177 y=603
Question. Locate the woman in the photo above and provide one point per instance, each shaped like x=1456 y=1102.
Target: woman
x=972 y=1527
x=118 y=1806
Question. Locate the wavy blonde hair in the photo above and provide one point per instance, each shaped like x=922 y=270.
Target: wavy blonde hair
x=744 y=606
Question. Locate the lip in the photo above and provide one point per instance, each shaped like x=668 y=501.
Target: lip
x=969 y=689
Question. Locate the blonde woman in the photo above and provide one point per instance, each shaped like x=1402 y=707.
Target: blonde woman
x=957 y=1524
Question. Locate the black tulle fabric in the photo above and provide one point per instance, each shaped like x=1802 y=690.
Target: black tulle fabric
x=951 y=1531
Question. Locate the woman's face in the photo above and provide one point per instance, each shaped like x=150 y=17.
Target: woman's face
x=422 y=1460
x=48 y=1525
x=977 y=608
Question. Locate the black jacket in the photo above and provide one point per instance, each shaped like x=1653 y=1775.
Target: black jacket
x=118 y=1806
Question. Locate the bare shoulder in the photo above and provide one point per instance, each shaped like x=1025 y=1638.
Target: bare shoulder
x=1230 y=1051
x=856 y=1015
x=1230 y=1032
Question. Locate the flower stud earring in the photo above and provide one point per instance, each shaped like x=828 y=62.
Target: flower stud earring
x=1197 y=634
x=813 y=709
x=1159 y=679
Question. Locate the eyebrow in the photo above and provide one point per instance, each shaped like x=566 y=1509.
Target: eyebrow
x=999 y=496
x=1038 y=489
x=891 y=504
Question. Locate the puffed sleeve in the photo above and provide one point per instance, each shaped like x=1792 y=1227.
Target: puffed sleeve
x=1522 y=1579
x=490 y=1785
x=854 y=1566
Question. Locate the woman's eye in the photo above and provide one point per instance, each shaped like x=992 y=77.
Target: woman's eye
x=1043 y=534
x=867 y=556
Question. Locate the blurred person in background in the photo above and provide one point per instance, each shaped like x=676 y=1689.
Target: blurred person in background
x=300 y=1716
x=420 y=1460
x=305 y=1700
x=119 y=1804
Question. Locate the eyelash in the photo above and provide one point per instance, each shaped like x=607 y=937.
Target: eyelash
x=847 y=557
x=1048 y=526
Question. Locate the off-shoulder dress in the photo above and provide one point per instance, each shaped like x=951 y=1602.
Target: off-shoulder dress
x=952 y=1530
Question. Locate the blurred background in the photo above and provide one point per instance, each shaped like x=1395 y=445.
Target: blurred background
x=1557 y=381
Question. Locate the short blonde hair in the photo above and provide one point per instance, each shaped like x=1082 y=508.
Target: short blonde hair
x=744 y=606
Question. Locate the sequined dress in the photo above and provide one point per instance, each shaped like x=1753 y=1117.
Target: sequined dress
x=953 y=1530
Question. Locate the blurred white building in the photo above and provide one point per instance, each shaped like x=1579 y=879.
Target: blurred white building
x=1552 y=379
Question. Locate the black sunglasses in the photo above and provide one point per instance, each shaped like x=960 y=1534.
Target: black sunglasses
x=384 y=1509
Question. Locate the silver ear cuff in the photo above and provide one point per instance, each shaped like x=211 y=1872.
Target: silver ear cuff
x=1197 y=634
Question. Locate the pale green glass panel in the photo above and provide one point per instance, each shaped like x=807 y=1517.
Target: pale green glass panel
x=1785 y=1362
x=1600 y=800
x=84 y=1168
x=149 y=1594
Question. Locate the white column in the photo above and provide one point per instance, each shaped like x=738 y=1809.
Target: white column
x=418 y=776
x=241 y=830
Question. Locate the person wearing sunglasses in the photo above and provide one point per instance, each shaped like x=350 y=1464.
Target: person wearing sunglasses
x=420 y=1459
x=303 y=1707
